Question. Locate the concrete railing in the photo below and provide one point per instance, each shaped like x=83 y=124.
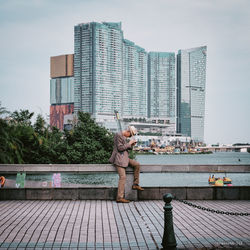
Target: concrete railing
x=104 y=192
x=93 y=168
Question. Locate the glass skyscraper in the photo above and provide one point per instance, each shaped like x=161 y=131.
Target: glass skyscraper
x=191 y=83
x=134 y=85
x=98 y=67
x=161 y=85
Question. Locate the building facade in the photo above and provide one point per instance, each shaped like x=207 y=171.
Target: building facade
x=58 y=113
x=98 y=68
x=61 y=89
x=61 y=66
x=107 y=73
x=161 y=85
x=134 y=86
x=191 y=85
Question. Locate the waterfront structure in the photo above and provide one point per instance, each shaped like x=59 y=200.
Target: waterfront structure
x=134 y=87
x=191 y=83
x=61 y=89
x=161 y=85
x=98 y=68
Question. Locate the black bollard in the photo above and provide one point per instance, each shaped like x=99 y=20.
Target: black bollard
x=168 y=240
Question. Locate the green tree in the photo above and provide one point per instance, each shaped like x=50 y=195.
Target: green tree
x=88 y=142
x=10 y=146
x=50 y=145
x=3 y=111
x=22 y=117
x=25 y=134
x=22 y=142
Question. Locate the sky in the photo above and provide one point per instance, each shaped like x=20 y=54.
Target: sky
x=31 y=31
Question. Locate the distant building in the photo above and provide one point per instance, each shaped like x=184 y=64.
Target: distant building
x=110 y=73
x=152 y=125
x=191 y=84
x=98 y=68
x=134 y=85
x=107 y=73
x=61 y=89
x=161 y=85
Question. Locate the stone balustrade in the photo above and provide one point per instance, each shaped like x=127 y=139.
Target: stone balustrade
x=109 y=193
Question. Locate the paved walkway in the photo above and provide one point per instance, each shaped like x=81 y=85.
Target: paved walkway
x=99 y=224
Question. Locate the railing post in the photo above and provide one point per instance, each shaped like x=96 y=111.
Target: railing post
x=168 y=240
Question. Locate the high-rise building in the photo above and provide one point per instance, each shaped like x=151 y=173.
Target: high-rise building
x=98 y=68
x=134 y=85
x=61 y=89
x=161 y=85
x=191 y=83
x=108 y=72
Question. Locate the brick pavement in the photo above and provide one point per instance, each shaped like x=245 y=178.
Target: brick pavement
x=101 y=224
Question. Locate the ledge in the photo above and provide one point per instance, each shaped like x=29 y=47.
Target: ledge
x=109 y=193
x=90 y=168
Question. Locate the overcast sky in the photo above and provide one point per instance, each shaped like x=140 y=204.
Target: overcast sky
x=33 y=30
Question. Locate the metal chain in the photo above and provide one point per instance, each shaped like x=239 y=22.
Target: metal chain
x=210 y=210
